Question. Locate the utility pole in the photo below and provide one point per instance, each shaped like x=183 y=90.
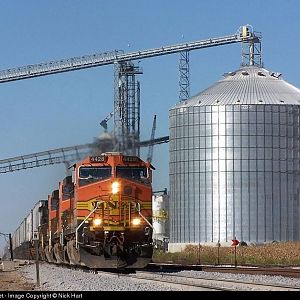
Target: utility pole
x=36 y=247
x=10 y=248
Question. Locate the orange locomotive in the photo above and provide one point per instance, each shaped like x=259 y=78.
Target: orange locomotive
x=101 y=216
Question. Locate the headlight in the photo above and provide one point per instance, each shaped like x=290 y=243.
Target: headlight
x=115 y=187
x=136 y=222
x=97 y=222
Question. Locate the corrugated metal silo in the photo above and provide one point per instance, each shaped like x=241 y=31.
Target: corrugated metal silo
x=234 y=161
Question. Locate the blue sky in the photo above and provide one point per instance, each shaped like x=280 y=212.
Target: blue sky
x=65 y=109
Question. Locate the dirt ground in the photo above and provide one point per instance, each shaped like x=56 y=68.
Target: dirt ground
x=14 y=281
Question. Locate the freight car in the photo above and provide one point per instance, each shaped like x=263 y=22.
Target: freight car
x=33 y=222
x=100 y=217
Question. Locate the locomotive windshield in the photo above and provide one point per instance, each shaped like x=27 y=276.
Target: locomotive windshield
x=135 y=173
x=89 y=175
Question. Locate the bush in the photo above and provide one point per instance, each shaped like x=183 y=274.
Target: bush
x=242 y=243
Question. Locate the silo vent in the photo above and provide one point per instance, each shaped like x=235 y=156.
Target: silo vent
x=275 y=74
x=260 y=100
x=229 y=74
x=245 y=73
x=260 y=73
x=282 y=101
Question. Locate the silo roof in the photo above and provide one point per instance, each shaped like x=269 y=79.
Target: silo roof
x=248 y=85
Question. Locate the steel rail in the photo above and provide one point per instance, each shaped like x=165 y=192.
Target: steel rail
x=232 y=282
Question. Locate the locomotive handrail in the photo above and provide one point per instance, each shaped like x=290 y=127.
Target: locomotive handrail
x=138 y=208
x=76 y=231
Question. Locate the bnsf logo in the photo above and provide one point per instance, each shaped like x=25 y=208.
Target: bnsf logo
x=106 y=204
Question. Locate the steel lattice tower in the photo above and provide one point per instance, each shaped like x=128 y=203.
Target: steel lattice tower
x=127 y=108
x=184 y=76
x=252 y=50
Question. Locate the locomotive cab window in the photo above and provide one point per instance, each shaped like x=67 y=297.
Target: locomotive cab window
x=54 y=204
x=134 y=173
x=88 y=175
x=68 y=191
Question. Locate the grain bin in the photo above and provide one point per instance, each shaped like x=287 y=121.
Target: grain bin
x=234 y=162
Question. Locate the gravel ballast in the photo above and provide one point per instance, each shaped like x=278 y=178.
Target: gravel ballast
x=55 y=278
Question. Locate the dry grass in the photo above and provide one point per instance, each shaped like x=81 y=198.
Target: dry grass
x=285 y=253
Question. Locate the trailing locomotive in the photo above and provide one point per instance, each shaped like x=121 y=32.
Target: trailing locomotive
x=100 y=217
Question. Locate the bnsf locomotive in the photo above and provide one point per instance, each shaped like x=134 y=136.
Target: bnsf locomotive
x=100 y=217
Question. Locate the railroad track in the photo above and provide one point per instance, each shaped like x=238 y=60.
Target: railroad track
x=148 y=277
x=170 y=282
x=167 y=267
x=192 y=283
x=217 y=284
x=251 y=270
x=189 y=282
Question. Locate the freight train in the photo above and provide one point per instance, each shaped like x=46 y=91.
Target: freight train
x=100 y=217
